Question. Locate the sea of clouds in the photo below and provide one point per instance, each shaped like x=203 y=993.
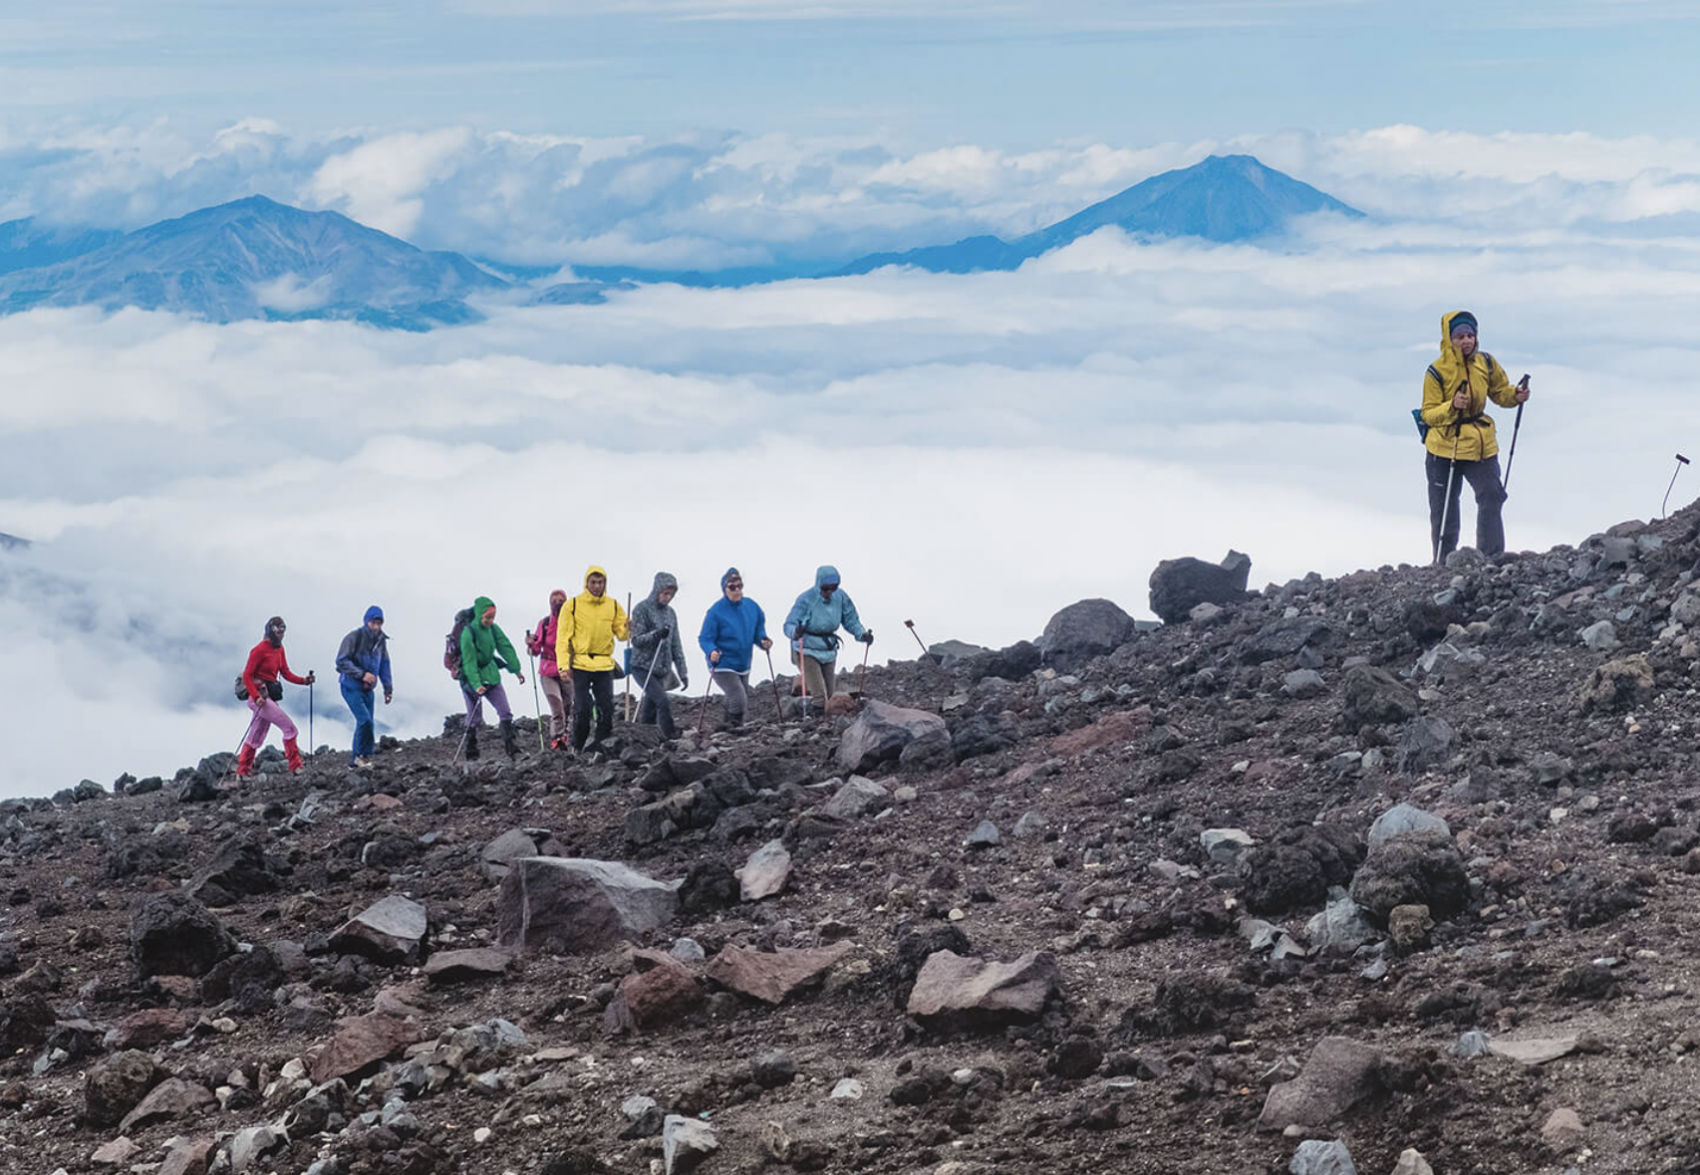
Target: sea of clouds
x=973 y=452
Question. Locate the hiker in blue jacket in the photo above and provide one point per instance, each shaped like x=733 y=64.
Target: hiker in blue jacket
x=813 y=628
x=733 y=628
x=362 y=663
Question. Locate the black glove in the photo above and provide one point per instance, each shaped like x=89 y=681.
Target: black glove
x=867 y=638
x=665 y=631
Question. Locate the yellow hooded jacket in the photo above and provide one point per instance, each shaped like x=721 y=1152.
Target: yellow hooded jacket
x=587 y=628
x=1471 y=431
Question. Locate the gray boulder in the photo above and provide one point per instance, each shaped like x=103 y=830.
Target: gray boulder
x=955 y=991
x=1339 y=1074
x=881 y=732
x=1317 y=1157
x=1374 y=696
x=574 y=905
x=389 y=931
x=1180 y=585
x=1082 y=631
x=1411 y=870
x=1404 y=820
x=856 y=799
x=514 y=844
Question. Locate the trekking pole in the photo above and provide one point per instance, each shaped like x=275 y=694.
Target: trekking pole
x=1680 y=462
x=1522 y=385
x=536 y=701
x=867 y=651
x=1446 y=503
x=910 y=625
x=310 y=674
x=702 y=719
x=649 y=675
x=246 y=735
x=627 y=704
x=778 y=708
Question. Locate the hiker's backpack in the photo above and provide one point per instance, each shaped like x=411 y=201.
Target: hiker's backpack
x=451 y=643
x=241 y=689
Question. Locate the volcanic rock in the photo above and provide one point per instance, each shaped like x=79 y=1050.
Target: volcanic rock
x=390 y=931
x=1618 y=685
x=172 y=934
x=855 y=799
x=765 y=873
x=880 y=732
x=1416 y=869
x=773 y=977
x=646 y=1000
x=237 y=870
x=171 y=1098
x=514 y=844
x=360 y=1041
x=1082 y=631
x=954 y=991
x=1317 y=1157
x=1339 y=1074
x=575 y=905
x=685 y=1143
x=1373 y=696
x=446 y=967
x=113 y=1087
x=1180 y=585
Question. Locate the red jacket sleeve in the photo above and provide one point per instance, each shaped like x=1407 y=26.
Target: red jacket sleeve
x=248 y=678
x=284 y=670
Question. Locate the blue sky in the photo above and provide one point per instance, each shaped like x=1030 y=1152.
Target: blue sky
x=1017 y=73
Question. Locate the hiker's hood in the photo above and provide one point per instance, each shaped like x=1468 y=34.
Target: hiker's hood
x=663 y=581
x=593 y=570
x=373 y=613
x=825 y=575
x=1451 y=361
x=557 y=599
x=480 y=606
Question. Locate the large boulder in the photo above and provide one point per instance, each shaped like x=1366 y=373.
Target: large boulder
x=237 y=870
x=172 y=934
x=1082 y=631
x=1417 y=869
x=1618 y=685
x=1180 y=585
x=114 y=1086
x=1374 y=696
x=954 y=991
x=1339 y=1074
x=390 y=931
x=575 y=905
x=882 y=731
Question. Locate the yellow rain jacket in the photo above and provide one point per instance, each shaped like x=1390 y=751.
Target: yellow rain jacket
x=587 y=628
x=1472 y=430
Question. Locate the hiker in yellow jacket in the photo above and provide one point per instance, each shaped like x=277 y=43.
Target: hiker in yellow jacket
x=585 y=632
x=1461 y=443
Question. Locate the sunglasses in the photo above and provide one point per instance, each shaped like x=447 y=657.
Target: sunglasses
x=736 y=583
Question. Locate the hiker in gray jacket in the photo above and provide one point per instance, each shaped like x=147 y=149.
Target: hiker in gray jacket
x=655 y=642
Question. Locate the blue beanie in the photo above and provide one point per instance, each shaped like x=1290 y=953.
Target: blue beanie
x=731 y=574
x=1462 y=318
x=374 y=613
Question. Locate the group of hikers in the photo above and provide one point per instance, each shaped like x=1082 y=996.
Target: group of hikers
x=574 y=647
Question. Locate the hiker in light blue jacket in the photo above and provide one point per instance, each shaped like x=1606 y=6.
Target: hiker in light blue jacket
x=813 y=628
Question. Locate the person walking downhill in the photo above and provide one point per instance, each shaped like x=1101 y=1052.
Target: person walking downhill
x=362 y=664
x=267 y=663
x=1460 y=441
x=484 y=652
x=585 y=633
x=733 y=627
x=540 y=643
x=813 y=626
x=655 y=642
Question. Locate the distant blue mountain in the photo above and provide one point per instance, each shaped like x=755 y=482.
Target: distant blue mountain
x=256 y=258
x=27 y=243
x=1226 y=198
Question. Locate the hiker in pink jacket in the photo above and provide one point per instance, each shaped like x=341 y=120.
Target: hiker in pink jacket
x=557 y=684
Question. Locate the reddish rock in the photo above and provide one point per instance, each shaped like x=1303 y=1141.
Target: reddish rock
x=190 y=1157
x=148 y=1027
x=773 y=978
x=473 y=963
x=1339 y=1074
x=360 y=1041
x=575 y=905
x=653 y=999
x=171 y=1098
x=957 y=991
x=1112 y=730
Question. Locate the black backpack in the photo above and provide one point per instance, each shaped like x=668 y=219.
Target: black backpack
x=451 y=643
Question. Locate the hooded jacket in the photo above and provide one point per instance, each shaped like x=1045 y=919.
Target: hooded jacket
x=648 y=619
x=364 y=651
x=587 y=628
x=735 y=629
x=814 y=620
x=485 y=652
x=1472 y=431
x=541 y=642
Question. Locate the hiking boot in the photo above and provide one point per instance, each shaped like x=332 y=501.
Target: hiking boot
x=292 y=754
x=245 y=762
x=472 y=743
x=510 y=744
x=361 y=764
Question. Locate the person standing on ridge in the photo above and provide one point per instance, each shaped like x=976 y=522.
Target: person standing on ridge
x=362 y=663
x=484 y=652
x=541 y=644
x=266 y=663
x=585 y=633
x=813 y=626
x=1460 y=441
x=733 y=626
x=655 y=642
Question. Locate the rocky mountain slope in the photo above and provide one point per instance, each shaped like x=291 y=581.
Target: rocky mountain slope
x=1395 y=872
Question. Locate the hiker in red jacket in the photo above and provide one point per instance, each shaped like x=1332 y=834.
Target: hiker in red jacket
x=557 y=686
x=266 y=663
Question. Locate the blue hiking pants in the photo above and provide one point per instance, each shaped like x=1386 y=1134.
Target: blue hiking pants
x=363 y=703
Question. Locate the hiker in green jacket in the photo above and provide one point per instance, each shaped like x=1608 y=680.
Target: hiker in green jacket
x=484 y=652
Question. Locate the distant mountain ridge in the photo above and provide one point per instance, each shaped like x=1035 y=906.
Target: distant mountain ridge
x=255 y=258
x=1224 y=198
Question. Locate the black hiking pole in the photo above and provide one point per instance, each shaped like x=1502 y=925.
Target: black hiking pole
x=536 y=701
x=910 y=625
x=702 y=719
x=778 y=708
x=649 y=675
x=867 y=651
x=310 y=676
x=1522 y=385
x=1446 y=503
x=1680 y=462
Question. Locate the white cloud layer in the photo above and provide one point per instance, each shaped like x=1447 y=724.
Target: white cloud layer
x=974 y=452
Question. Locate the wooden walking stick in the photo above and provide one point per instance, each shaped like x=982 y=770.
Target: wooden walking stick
x=778 y=709
x=702 y=719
